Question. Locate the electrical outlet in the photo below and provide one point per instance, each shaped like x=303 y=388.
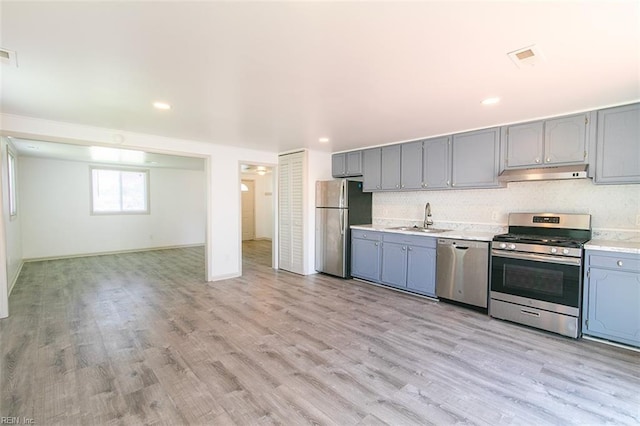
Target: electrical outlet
x=638 y=220
x=494 y=216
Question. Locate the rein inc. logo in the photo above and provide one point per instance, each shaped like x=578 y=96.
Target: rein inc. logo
x=16 y=421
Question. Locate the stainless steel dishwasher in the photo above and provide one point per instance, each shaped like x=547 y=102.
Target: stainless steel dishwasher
x=462 y=271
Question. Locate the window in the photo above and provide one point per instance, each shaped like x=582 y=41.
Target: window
x=11 y=169
x=119 y=191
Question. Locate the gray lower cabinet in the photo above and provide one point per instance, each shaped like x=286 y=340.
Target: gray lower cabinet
x=365 y=254
x=612 y=296
x=476 y=159
x=618 y=145
x=346 y=164
x=409 y=262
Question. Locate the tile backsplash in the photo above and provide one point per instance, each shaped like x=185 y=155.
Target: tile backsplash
x=615 y=209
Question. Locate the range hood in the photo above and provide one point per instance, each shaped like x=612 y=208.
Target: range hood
x=544 y=173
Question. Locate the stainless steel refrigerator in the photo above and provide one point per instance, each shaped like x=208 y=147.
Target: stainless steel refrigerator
x=340 y=203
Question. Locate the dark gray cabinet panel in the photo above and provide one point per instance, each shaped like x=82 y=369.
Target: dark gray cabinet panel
x=612 y=297
x=365 y=254
x=346 y=164
x=618 y=145
x=475 y=159
x=436 y=163
x=411 y=165
x=372 y=169
x=390 y=176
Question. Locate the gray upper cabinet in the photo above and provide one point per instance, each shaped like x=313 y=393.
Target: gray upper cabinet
x=476 y=159
x=391 y=160
x=565 y=140
x=346 y=164
x=372 y=169
x=411 y=166
x=436 y=162
x=618 y=145
x=559 y=141
x=524 y=144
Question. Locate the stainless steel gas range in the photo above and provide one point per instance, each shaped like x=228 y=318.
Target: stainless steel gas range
x=536 y=271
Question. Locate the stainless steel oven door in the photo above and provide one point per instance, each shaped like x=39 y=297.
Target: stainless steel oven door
x=552 y=279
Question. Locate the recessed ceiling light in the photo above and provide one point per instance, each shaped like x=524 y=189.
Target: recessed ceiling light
x=491 y=101
x=323 y=140
x=161 y=105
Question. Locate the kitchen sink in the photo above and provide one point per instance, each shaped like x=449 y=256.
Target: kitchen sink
x=418 y=229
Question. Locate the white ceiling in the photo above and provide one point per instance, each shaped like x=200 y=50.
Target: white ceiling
x=279 y=75
x=104 y=155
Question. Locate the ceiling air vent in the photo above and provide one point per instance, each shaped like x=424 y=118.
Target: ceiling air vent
x=526 y=57
x=8 y=57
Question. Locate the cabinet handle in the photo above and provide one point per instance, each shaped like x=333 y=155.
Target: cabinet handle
x=453 y=184
x=402 y=186
x=548 y=160
x=619 y=262
x=537 y=160
x=403 y=248
x=397 y=186
x=376 y=244
x=364 y=235
x=448 y=183
x=409 y=249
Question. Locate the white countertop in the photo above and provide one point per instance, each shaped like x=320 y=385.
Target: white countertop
x=454 y=234
x=618 y=246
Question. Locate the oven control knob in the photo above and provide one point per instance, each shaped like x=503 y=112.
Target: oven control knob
x=554 y=250
x=502 y=246
x=512 y=246
x=565 y=251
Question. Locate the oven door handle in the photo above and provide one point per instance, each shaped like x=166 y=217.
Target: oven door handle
x=538 y=257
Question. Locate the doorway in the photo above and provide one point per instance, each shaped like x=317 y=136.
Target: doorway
x=257 y=211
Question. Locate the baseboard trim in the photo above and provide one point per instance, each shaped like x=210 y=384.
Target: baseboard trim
x=106 y=253
x=224 y=277
x=15 y=279
x=610 y=343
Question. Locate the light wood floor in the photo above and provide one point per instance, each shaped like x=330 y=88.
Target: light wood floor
x=140 y=338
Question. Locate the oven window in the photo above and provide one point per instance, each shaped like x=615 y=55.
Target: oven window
x=533 y=279
x=549 y=282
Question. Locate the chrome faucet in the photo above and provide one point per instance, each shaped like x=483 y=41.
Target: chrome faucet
x=427 y=216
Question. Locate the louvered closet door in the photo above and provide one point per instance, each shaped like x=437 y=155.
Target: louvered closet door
x=291 y=212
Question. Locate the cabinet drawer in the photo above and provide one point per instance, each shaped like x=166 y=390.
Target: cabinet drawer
x=412 y=240
x=366 y=235
x=623 y=262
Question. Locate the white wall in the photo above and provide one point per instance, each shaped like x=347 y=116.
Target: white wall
x=264 y=211
x=223 y=234
x=56 y=219
x=615 y=209
x=318 y=168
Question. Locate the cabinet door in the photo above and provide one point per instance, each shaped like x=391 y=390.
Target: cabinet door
x=372 y=169
x=475 y=158
x=390 y=167
x=421 y=270
x=411 y=166
x=365 y=259
x=436 y=163
x=618 y=145
x=394 y=264
x=338 y=165
x=354 y=163
x=524 y=144
x=612 y=312
x=565 y=140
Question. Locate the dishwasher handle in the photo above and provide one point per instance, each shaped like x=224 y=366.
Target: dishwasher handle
x=461 y=248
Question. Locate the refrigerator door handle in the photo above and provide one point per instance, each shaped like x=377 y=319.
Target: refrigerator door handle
x=342 y=222
x=343 y=185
